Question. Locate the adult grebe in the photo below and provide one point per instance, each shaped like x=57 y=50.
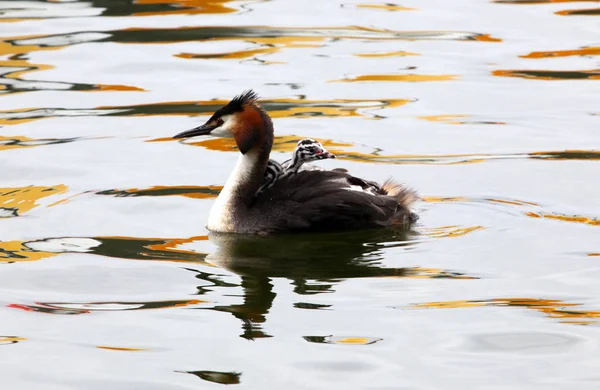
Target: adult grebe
x=311 y=200
x=307 y=150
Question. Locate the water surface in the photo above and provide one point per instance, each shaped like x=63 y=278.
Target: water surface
x=109 y=278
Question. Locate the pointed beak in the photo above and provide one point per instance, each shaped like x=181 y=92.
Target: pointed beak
x=204 y=129
x=324 y=155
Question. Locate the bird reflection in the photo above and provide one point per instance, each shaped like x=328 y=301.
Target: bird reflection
x=324 y=259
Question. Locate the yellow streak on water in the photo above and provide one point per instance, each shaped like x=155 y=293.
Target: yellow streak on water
x=400 y=53
x=355 y=340
x=387 y=7
x=527 y=2
x=566 y=218
x=24 y=198
x=121 y=348
x=550 y=307
x=450 y=231
x=189 y=7
x=586 y=51
x=11 y=339
x=449 y=118
x=15 y=251
x=550 y=74
x=16 y=146
x=593 y=254
x=414 y=78
x=580 y=12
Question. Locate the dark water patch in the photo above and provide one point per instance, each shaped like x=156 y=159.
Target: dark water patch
x=224 y=378
x=70 y=308
x=550 y=74
x=190 y=191
x=580 y=12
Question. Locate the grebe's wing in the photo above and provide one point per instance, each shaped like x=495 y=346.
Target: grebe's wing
x=331 y=200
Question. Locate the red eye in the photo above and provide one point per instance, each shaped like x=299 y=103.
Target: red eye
x=220 y=122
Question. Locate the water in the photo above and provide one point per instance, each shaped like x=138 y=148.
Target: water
x=488 y=108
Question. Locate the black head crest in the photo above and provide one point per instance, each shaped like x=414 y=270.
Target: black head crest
x=237 y=103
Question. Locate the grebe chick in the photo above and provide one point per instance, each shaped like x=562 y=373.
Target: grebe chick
x=310 y=200
x=307 y=150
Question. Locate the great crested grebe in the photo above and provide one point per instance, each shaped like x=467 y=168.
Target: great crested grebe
x=311 y=200
x=307 y=150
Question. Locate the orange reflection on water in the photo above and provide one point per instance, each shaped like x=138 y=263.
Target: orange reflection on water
x=23 y=199
x=541 y=1
x=566 y=218
x=550 y=74
x=453 y=119
x=199 y=192
x=580 y=12
x=188 y=7
x=586 y=51
x=551 y=307
x=386 y=7
x=400 y=53
x=121 y=348
x=13 y=251
x=450 y=231
x=399 y=77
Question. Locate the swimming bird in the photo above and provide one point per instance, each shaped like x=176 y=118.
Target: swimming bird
x=307 y=150
x=308 y=201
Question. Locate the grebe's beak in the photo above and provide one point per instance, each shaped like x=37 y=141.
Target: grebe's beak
x=204 y=129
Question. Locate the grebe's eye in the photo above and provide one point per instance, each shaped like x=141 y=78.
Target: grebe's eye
x=220 y=122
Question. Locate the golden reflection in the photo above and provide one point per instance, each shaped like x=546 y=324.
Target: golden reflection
x=593 y=254
x=188 y=7
x=4 y=340
x=386 y=7
x=454 y=119
x=566 y=218
x=550 y=74
x=13 y=251
x=580 y=12
x=399 y=77
x=551 y=307
x=121 y=348
x=585 y=51
x=440 y=199
x=342 y=340
x=22 y=199
x=400 y=53
x=198 y=192
x=450 y=231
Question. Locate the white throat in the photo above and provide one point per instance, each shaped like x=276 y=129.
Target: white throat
x=222 y=213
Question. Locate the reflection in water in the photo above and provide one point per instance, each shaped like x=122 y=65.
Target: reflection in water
x=342 y=340
x=315 y=264
x=26 y=142
x=585 y=51
x=551 y=307
x=457 y=119
x=120 y=348
x=385 y=7
x=580 y=12
x=90 y=307
x=399 y=77
x=567 y=218
x=224 y=378
x=48 y=9
x=200 y=192
x=7 y=340
x=550 y=74
x=16 y=201
x=277 y=108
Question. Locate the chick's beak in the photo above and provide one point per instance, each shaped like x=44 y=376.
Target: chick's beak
x=204 y=129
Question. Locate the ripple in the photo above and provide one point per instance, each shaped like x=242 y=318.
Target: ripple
x=353 y=340
x=400 y=53
x=584 y=51
x=521 y=342
x=541 y=1
x=127 y=349
x=20 y=142
x=7 y=340
x=386 y=7
x=224 y=378
x=457 y=119
x=550 y=74
x=398 y=77
x=134 y=248
x=199 y=192
x=19 y=200
x=551 y=307
x=66 y=308
x=594 y=221
x=450 y=231
x=278 y=108
x=580 y=12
